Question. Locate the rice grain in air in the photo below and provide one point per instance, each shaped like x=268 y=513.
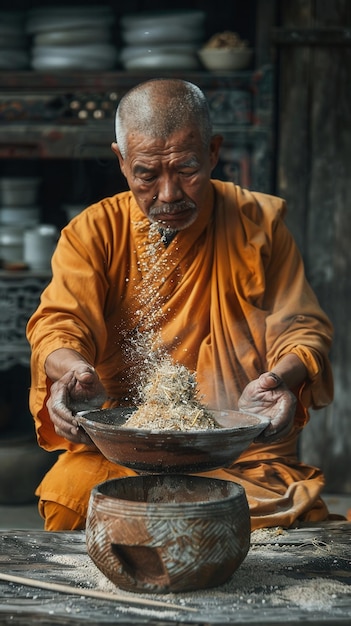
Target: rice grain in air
x=167 y=394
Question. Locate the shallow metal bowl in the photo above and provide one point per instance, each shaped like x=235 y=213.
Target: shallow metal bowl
x=170 y=450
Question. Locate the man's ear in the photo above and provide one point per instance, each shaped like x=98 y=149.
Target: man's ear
x=215 y=145
x=115 y=149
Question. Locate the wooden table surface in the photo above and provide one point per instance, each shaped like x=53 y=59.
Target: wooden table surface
x=297 y=576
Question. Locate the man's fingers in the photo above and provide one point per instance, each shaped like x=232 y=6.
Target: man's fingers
x=75 y=391
x=282 y=420
x=75 y=434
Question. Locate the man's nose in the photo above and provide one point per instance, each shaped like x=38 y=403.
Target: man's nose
x=169 y=190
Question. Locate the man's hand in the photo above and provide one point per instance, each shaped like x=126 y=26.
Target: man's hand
x=78 y=389
x=268 y=395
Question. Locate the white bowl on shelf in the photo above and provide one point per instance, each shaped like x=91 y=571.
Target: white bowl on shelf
x=165 y=59
x=20 y=216
x=95 y=50
x=132 y=52
x=11 y=244
x=158 y=27
x=217 y=59
x=159 y=34
x=48 y=19
x=166 y=18
x=73 y=36
x=64 y=62
x=89 y=56
x=18 y=191
x=39 y=244
x=69 y=11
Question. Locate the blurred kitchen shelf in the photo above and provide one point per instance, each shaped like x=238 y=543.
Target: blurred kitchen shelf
x=70 y=115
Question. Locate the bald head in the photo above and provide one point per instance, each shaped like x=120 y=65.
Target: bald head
x=160 y=107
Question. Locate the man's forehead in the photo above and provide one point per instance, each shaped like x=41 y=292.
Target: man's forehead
x=145 y=163
x=186 y=139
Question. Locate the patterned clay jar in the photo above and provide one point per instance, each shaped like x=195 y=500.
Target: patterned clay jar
x=161 y=533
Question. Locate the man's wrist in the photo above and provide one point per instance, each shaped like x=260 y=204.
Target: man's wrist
x=61 y=361
x=290 y=370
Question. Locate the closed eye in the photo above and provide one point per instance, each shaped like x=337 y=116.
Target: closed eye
x=188 y=173
x=147 y=179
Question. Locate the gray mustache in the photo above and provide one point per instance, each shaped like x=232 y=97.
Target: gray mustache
x=170 y=209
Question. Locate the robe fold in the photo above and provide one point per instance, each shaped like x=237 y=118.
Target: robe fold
x=229 y=298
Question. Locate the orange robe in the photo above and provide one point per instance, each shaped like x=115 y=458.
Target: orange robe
x=230 y=297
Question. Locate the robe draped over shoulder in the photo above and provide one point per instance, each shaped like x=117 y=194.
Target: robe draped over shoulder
x=229 y=298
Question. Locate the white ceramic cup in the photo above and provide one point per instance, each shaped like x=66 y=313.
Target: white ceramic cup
x=39 y=245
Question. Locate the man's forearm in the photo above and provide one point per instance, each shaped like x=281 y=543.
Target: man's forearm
x=61 y=361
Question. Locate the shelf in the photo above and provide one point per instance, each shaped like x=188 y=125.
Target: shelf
x=92 y=141
x=99 y=81
x=71 y=114
x=19 y=294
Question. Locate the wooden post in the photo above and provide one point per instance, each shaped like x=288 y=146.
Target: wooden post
x=314 y=175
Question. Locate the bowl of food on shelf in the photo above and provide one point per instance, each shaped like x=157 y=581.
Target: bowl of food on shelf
x=226 y=51
x=170 y=430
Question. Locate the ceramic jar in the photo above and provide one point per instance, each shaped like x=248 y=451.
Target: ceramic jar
x=11 y=244
x=39 y=245
x=19 y=191
x=167 y=532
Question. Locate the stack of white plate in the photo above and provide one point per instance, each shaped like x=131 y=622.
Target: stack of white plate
x=72 y=37
x=162 y=39
x=18 y=211
x=18 y=201
x=14 y=54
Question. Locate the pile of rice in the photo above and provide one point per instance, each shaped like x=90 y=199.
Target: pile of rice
x=170 y=401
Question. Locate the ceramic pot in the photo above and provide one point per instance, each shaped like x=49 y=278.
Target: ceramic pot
x=167 y=532
x=19 y=191
x=11 y=244
x=39 y=245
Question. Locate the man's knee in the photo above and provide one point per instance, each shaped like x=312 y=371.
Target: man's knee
x=59 y=517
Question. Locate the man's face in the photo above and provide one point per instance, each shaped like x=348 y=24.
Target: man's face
x=170 y=179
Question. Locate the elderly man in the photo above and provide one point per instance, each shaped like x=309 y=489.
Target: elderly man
x=212 y=269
